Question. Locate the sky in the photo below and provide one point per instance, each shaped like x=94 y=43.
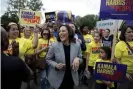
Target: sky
x=78 y=7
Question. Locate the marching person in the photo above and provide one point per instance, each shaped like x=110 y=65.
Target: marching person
x=92 y=55
x=63 y=59
x=13 y=69
x=107 y=39
x=124 y=55
x=42 y=50
x=105 y=56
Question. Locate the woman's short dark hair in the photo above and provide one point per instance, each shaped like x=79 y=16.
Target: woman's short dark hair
x=76 y=31
x=70 y=34
x=123 y=31
x=81 y=28
x=9 y=27
x=47 y=29
x=108 y=30
x=107 y=51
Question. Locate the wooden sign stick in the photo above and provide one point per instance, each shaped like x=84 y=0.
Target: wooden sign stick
x=114 y=40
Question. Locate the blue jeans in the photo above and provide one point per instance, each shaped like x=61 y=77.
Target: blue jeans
x=43 y=78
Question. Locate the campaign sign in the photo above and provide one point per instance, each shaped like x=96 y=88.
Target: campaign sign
x=110 y=72
x=63 y=16
x=129 y=22
x=116 y=9
x=50 y=16
x=29 y=17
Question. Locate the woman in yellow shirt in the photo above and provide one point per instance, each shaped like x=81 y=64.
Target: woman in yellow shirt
x=52 y=38
x=42 y=49
x=93 y=52
x=92 y=55
x=23 y=43
x=124 y=55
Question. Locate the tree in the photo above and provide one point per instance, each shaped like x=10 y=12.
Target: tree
x=35 y=5
x=14 y=6
x=88 y=20
x=6 y=18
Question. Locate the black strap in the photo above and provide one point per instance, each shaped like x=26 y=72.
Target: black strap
x=129 y=47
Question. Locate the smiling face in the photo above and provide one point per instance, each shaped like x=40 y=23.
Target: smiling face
x=27 y=31
x=13 y=32
x=63 y=34
x=97 y=37
x=45 y=34
x=106 y=33
x=129 y=34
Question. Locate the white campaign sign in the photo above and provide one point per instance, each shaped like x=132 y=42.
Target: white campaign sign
x=108 y=24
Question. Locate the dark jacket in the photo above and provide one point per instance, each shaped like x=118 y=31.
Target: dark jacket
x=83 y=45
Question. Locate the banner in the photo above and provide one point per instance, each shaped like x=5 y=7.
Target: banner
x=50 y=16
x=116 y=9
x=63 y=16
x=129 y=22
x=110 y=72
x=108 y=24
x=29 y=18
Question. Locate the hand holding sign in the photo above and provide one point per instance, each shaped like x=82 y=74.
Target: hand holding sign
x=111 y=72
x=129 y=77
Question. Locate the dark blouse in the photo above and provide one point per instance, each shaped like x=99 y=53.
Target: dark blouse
x=67 y=82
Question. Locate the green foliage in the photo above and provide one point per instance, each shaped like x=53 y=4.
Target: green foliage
x=35 y=5
x=14 y=7
x=88 y=20
x=6 y=18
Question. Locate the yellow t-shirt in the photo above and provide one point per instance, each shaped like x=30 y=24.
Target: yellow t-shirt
x=101 y=60
x=41 y=44
x=24 y=44
x=31 y=37
x=93 y=50
x=123 y=53
x=9 y=50
x=88 y=38
x=53 y=39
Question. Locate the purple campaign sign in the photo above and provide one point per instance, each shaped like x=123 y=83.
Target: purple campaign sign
x=110 y=72
x=116 y=9
x=129 y=22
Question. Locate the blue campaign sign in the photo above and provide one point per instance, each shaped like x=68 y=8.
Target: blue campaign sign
x=50 y=16
x=116 y=9
x=110 y=72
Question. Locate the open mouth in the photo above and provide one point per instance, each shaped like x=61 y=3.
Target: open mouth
x=62 y=37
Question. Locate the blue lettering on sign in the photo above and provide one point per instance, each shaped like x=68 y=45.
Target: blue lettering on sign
x=106 y=24
x=28 y=15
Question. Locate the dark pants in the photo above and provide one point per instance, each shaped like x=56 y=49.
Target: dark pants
x=126 y=85
x=91 y=81
x=102 y=86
